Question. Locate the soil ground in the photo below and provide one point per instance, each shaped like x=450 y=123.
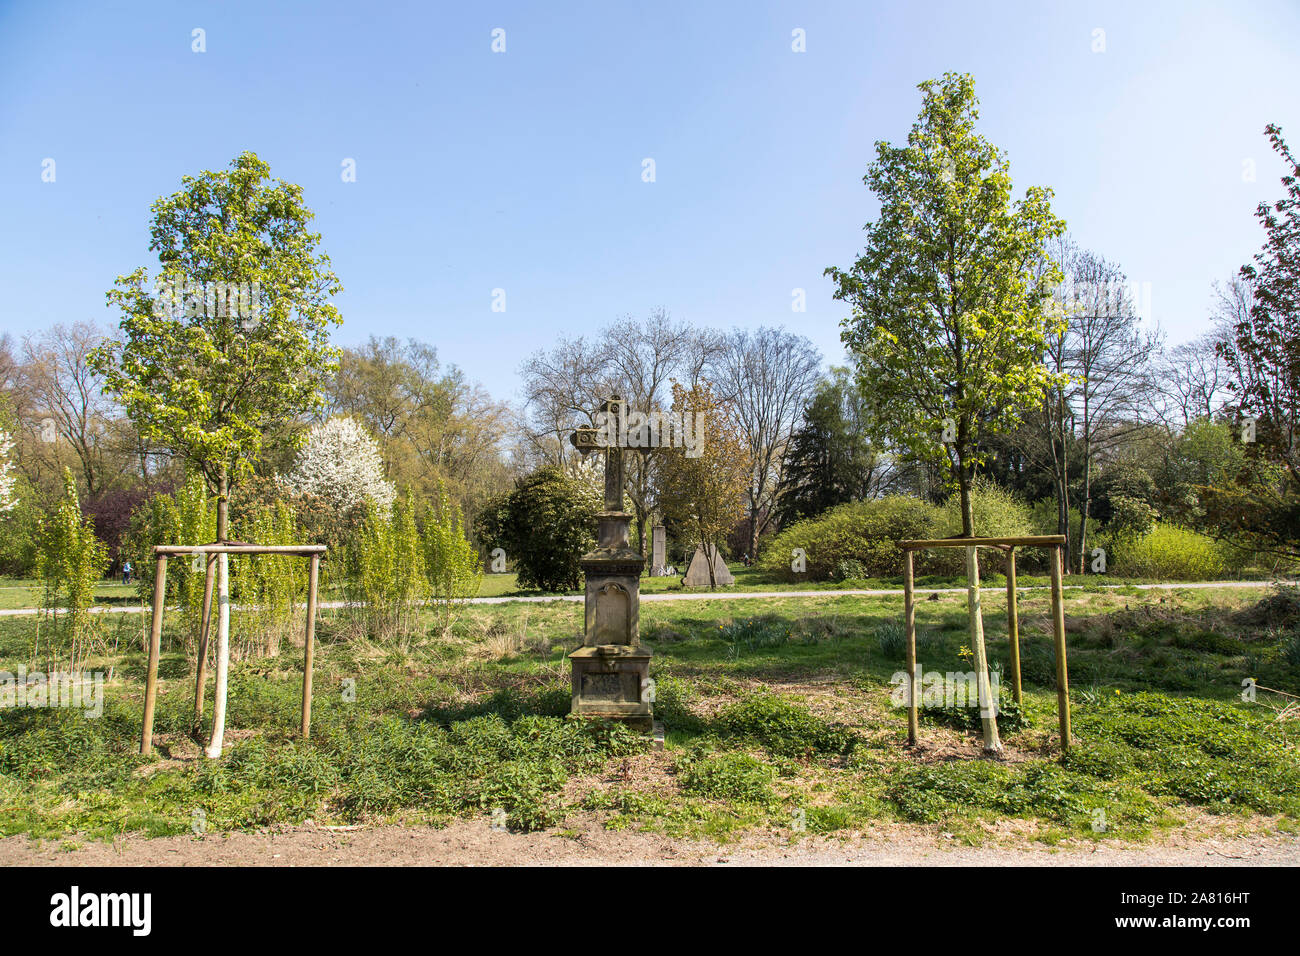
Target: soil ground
x=476 y=843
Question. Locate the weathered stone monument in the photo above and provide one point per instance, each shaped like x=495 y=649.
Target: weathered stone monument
x=611 y=670
x=658 y=551
x=697 y=574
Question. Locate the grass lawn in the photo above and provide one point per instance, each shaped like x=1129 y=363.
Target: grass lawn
x=778 y=712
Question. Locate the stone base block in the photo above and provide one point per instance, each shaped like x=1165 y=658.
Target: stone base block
x=612 y=682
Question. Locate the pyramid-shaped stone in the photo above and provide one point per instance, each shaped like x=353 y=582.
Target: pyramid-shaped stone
x=697 y=575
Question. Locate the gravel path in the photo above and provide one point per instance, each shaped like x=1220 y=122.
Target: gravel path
x=475 y=843
x=741 y=595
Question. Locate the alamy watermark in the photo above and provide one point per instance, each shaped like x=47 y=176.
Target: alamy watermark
x=620 y=428
x=946 y=689
x=189 y=298
x=78 y=690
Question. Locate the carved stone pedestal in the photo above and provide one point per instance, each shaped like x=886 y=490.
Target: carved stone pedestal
x=611 y=670
x=611 y=681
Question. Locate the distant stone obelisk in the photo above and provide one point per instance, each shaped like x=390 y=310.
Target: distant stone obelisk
x=658 y=551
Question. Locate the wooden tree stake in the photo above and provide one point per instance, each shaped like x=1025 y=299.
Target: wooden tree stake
x=309 y=655
x=155 y=645
x=909 y=624
x=1058 y=634
x=1013 y=623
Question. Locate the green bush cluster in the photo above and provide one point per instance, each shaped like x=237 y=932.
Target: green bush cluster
x=1167 y=553
x=544 y=525
x=726 y=776
x=784 y=727
x=856 y=540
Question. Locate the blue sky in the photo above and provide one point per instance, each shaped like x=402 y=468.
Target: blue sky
x=522 y=170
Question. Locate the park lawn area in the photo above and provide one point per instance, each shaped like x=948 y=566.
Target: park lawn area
x=26 y=592
x=778 y=713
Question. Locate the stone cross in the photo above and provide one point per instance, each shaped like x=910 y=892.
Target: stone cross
x=589 y=438
x=611 y=670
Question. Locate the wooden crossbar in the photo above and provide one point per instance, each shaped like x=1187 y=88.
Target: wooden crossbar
x=179 y=550
x=1022 y=541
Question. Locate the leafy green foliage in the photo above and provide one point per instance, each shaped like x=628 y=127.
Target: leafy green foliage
x=863 y=532
x=69 y=562
x=387 y=583
x=727 y=776
x=857 y=540
x=784 y=727
x=1166 y=553
x=210 y=385
x=451 y=562
x=545 y=526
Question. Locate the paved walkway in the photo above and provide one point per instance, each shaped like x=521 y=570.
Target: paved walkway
x=743 y=595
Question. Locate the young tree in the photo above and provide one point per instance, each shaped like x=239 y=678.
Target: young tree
x=705 y=495
x=949 y=322
x=1263 y=508
x=69 y=562
x=233 y=343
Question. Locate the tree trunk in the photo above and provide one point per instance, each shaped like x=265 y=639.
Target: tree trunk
x=753 y=529
x=1085 y=508
x=988 y=715
x=223 y=657
x=987 y=705
x=710 y=558
x=223 y=621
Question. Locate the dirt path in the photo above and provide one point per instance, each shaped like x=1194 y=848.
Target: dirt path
x=733 y=595
x=475 y=843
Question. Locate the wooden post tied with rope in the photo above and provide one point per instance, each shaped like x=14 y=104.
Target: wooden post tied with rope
x=314 y=552
x=1056 y=544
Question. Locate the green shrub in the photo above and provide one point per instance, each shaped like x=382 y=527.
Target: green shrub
x=784 y=727
x=997 y=513
x=451 y=562
x=387 y=585
x=856 y=539
x=1168 y=553
x=69 y=562
x=544 y=525
x=727 y=776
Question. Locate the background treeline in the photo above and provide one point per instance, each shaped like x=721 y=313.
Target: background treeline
x=1178 y=461
x=1131 y=445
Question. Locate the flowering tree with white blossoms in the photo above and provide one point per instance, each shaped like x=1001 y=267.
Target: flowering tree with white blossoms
x=340 y=463
x=7 y=476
